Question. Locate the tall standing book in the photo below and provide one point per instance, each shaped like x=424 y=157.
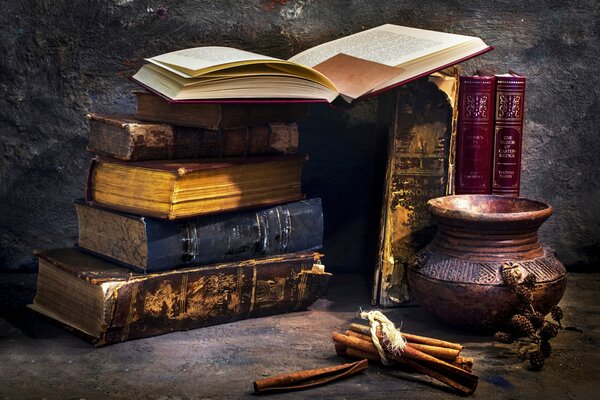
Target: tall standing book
x=508 y=134
x=420 y=135
x=475 y=135
x=351 y=67
x=126 y=138
x=187 y=188
x=151 y=244
x=109 y=304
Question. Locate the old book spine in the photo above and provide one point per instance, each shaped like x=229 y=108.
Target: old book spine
x=417 y=171
x=153 y=108
x=475 y=135
x=125 y=138
x=208 y=296
x=161 y=245
x=508 y=134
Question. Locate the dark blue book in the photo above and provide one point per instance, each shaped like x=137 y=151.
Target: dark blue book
x=151 y=244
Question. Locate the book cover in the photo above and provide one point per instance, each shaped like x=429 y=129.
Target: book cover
x=359 y=65
x=475 y=135
x=125 y=138
x=420 y=136
x=154 y=108
x=175 y=189
x=150 y=244
x=508 y=134
x=109 y=304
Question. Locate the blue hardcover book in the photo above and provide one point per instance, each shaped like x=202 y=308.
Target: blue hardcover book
x=151 y=244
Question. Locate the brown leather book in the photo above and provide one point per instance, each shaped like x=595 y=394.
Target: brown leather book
x=153 y=108
x=109 y=304
x=187 y=188
x=126 y=138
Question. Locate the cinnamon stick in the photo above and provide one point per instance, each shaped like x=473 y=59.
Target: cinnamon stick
x=459 y=379
x=365 y=330
x=309 y=378
x=443 y=353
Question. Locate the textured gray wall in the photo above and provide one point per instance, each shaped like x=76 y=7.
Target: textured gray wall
x=62 y=59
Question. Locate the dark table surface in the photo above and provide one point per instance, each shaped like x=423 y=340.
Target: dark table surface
x=40 y=359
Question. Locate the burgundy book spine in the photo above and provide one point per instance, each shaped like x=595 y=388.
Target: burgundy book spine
x=475 y=135
x=508 y=134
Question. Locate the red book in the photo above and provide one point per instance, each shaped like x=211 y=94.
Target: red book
x=508 y=134
x=475 y=135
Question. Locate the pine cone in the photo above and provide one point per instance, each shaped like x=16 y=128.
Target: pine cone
x=509 y=276
x=522 y=324
x=504 y=337
x=556 y=313
x=536 y=360
x=545 y=348
x=525 y=294
x=537 y=319
x=548 y=331
x=530 y=281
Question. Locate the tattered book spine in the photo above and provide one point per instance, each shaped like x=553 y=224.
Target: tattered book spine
x=417 y=170
x=161 y=244
x=164 y=303
x=508 y=134
x=126 y=138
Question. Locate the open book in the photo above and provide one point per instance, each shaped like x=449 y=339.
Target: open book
x=354 y=66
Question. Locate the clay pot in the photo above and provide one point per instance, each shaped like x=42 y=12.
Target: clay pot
x=457 y=276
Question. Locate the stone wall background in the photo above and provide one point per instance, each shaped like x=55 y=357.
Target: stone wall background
x=62 y=59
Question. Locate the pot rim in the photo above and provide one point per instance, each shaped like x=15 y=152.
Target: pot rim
x=441 y=207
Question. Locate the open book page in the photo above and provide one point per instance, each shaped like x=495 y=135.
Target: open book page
x=193 y=60
x=390 y=45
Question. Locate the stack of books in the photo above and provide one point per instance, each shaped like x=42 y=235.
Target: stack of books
x=193 y=216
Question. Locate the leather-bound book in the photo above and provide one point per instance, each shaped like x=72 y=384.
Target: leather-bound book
x=109 y=304
x=153 y=108
x=418 y=121
x=508 y=134
x=125 y=138
x=188 y=188
x=475 y=135
x=150 y=244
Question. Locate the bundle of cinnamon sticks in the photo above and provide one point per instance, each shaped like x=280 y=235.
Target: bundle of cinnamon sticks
x=438 y=359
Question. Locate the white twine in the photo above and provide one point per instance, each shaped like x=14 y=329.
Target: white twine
x=389 y=331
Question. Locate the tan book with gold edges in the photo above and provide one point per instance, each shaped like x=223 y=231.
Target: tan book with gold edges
x=187 y=188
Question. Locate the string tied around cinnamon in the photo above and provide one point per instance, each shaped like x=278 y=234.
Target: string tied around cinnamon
x=396 y=342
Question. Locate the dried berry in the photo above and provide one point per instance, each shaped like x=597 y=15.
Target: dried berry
x=504 y=337
x=556 y=313
x=522 y=325
x=548 y=331
x=545 y=348
x=529 y=281
x=536 y=360
x=525 y=294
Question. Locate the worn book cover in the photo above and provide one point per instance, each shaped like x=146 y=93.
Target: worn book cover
x=176 y=189
x=126 y=138
x=153 y=108
x=420 y=119
x=151 y=244
x=109 y=304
